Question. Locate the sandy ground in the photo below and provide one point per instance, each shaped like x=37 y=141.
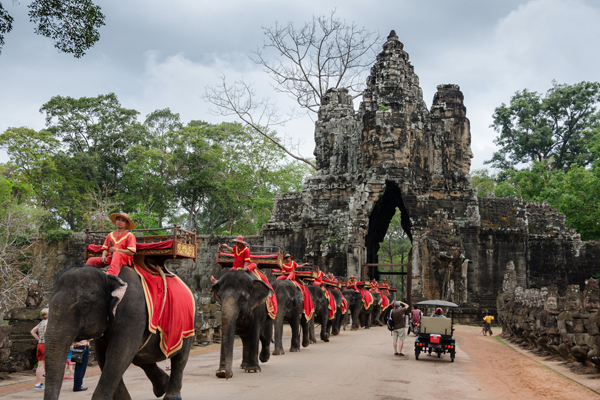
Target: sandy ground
x=360 y=365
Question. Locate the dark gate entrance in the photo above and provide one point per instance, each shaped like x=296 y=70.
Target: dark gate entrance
x=379 y=223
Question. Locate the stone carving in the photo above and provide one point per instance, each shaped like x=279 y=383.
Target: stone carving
x=565 y=327
x=394 y=153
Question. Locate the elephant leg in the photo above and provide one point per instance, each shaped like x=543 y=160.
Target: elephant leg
x=311 y=330
x=305 y=331
x=265 y=341
x=252 y=340
x=121 y=393
x=324 y=323
x=278 y=328
x=178 y=363
x=119 y=354
x=245 y=351
x=158 y=377
x=295 y=325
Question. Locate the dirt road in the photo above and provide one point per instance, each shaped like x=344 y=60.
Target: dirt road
x=362 y=365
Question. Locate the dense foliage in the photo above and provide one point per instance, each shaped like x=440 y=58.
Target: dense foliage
x=96 y=157
x=550 y=151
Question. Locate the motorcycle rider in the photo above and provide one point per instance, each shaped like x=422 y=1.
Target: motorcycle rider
x=415 y=317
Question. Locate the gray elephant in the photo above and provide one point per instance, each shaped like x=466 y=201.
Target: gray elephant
x=289 y=308
x=82 y=307
x=321 y=314
x=357 y=309
x=243 y=312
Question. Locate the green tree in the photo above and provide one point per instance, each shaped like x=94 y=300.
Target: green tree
x=72 y=24
x=557 y=127
x=395 y=248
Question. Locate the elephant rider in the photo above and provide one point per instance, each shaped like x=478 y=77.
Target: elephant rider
x=319 y=280
x=119 y=246
x=241 y=256
x=331 y=278
x=288 y=268
x=352 y=283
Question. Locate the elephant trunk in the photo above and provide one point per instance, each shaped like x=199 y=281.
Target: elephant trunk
x=59 y=337
x=229 y=314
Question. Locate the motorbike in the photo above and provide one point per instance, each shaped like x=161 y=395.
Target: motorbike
x=414 y=327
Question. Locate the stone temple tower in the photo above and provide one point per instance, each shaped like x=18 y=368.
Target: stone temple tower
x=396 y=154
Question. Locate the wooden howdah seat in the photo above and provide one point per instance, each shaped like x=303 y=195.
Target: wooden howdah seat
x=268 y=257
x=176 y=243
x=436 y=325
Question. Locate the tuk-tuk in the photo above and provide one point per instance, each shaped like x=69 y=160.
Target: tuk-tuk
x=436 y=332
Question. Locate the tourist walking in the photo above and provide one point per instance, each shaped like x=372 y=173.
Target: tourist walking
x=39 y=333
x=81 y=354
x=399 y=332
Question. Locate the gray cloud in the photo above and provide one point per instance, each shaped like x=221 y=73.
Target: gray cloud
x=162 y=54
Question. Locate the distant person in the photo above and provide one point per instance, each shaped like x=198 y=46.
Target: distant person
x=415 y=316
x=81 y=367
x=438 y=313
x=399 y=332
x=39 y=333
x=69 y=367
x=487 y=324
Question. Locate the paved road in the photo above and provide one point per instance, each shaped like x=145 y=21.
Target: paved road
x=352 y=365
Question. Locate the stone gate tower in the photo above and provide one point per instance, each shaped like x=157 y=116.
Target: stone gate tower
x=394 y=153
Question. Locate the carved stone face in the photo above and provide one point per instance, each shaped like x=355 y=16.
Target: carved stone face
x=573 y=298
x=551 y=303
x=510 y=266
x=519 y=294
x=591 y=295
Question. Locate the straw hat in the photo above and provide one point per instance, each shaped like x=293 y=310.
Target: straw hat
x=240 y=239
x=288 y=255
x=113 y=218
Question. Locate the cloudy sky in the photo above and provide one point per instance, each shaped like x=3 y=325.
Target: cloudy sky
x=158 y=54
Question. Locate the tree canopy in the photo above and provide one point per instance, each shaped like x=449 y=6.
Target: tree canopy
x=73 y=25
x=96 y=157
x=557 y=127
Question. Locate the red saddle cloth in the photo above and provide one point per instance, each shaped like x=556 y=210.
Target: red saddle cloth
x=385 y=302
x=170 y=313
x=366 y=297
x=344 y=302
x=271 y=300
x=308 y=308
x=331 y=307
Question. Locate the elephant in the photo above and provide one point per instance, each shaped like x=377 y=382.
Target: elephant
x=321 y=314
x=243 y=312
x=289 y=308
x=376 y=309
x=357 y=309
x=82 y=306
x=334 y=325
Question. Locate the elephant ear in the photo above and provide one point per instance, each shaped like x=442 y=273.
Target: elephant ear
x=260 y=292
x=116 y=288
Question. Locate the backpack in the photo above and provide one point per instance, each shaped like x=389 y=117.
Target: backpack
x=390 y=322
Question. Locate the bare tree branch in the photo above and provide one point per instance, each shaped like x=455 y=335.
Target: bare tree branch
x=324 y=53
x=240 y=100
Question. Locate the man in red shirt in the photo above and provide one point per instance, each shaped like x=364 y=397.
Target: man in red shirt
x=119 y=246
x=241 y=256
x=288 y=268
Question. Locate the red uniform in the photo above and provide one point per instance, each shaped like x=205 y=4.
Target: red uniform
x=288 y=271
x=240 y=256
x=319 y=280
x=123 y=241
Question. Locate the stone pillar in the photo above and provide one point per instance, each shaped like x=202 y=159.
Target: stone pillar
x=22 y=352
